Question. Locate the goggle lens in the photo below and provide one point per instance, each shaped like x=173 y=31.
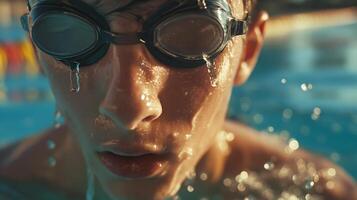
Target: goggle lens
x=64 y=35
x=189 y=36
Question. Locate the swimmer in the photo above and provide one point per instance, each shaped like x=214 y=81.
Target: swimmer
x=144 y=87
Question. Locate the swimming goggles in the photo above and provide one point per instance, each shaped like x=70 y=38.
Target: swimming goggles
x=181 y=33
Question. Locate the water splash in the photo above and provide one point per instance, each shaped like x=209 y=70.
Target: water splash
x=316 y=113
x=90 y=185
x=306 y=86
x=211 y=70
x=283 y=81
x=287 y=113
x=75 y=78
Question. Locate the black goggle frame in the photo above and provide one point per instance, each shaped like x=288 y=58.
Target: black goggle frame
x=215 y=9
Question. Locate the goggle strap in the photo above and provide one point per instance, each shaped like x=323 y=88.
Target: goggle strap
x=25 y=22
x=121 y=38
x=239 y=27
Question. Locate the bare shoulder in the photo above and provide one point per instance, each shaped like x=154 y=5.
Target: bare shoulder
x=274 y=166
x=26 y=158
x=44 y=161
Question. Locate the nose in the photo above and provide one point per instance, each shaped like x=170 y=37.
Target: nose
x=131 y=98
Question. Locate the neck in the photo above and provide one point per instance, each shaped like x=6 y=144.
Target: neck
x=213 y=162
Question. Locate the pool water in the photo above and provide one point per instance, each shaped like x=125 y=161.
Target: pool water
x=304 y=86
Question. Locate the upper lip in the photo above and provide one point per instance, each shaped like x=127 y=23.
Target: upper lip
x=127 y=149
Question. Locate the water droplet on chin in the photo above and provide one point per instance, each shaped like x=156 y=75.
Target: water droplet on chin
x=75 y=78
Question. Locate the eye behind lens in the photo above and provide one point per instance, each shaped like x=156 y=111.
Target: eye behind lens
x=189 y=35
x=64 y=34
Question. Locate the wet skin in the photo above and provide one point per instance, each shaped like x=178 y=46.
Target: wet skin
x=131 y=100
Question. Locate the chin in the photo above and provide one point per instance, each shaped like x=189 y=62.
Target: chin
x=147 y=189
x=140 y=193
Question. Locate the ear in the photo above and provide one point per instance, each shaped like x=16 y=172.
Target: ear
x=253 y=46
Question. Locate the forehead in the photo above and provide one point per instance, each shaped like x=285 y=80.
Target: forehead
x=108 y=5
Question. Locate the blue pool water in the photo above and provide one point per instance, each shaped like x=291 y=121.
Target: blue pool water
x=272 y=100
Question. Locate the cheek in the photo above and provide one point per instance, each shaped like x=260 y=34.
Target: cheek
x=59 y=76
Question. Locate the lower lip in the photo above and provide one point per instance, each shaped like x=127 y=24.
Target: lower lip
x=136 y=167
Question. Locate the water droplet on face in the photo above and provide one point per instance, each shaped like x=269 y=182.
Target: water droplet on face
x=188 y=136
x=186 y=153
x=212 y=72
x=191 y=175
x=308 y=197
x=58 y=119
x=51 y=144
x=229 y=137
x=176 y=197
x=227 y=182
x=52 y=161
x=175 y=134
x=330 y=185
x=75 y=78
x=269 y=166
x=331 y=172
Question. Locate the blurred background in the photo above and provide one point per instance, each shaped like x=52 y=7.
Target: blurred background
x=304 y=86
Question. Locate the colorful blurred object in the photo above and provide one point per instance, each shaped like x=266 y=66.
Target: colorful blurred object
x=16 y=52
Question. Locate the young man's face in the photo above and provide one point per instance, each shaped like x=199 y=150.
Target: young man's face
x=143 y=125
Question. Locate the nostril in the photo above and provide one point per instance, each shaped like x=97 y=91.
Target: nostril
x=149 y=118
